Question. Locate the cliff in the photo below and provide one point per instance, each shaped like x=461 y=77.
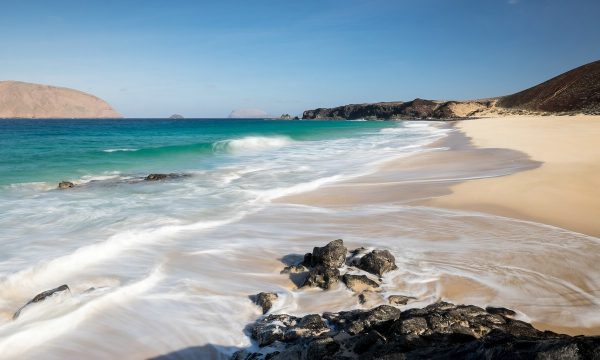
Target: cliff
x=416 y=109
x=25 y=100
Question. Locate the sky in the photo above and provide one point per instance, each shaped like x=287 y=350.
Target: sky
x=154 y=58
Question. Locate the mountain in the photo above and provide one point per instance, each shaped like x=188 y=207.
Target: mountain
x=577 y=90
x=25 y=100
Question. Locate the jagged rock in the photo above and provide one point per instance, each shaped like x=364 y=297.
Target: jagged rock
x=322 y=277
x=331 y=255
x=65 y=185
x=378 y=262
x=356 y=321
x=438 y=331
x=264 y=300
x=41 y=297
x=359 y=283
x=293 y=269
x=399 y=299
x=287 y=328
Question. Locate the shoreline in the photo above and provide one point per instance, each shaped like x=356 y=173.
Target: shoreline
x=430 y=180
x=562 y=192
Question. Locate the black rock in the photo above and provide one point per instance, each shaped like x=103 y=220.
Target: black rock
x=287 y=328
x=41 y=297
x=322 y=277
x=438 y=331
x=359 y=283
x=264 y=300
x=157 y=177
x=65 y=185
x=378 y=262
x=332 y=255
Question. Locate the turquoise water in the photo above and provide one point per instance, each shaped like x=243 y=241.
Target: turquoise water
x=155 y=267
x=54 y=150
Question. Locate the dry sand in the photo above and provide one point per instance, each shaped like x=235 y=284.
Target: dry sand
x=564 y=191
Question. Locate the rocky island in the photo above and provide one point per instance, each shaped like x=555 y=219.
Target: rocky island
x=35 y=101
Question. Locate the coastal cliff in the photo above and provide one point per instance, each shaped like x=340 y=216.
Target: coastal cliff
x=416 y=109
x=25 y=100
x=575 y=91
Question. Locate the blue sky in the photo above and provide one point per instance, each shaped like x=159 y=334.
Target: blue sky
x=204 y=59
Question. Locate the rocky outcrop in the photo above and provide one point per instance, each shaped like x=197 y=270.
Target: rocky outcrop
x=416 y=109
x=438 y=331
x=159 y=176
x=65 y=185
x=264 y=300
x=321 y=268
x=25 y=100
x=577 y=90
x=41 y=297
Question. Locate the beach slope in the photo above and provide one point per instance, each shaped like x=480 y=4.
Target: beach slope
x=564 y=191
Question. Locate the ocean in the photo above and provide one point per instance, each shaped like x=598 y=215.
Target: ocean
x=166 y=267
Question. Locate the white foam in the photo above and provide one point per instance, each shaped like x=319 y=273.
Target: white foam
x=119 y=150
x=251 y=144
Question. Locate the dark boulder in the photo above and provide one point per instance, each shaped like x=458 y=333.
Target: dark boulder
x=65 y=185
x=322 y=277
x=264 y=300
x=359 y=283
x=332 y=255
x=41 y=297
x=378 y=262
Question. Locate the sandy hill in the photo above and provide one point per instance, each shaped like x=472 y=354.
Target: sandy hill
x=575 y=90
x=25 y=100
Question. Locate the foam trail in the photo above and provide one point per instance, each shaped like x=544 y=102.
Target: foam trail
x=16 y=339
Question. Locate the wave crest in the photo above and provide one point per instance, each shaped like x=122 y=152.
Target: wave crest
x=251 y=144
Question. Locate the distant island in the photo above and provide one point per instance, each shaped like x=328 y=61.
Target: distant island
x=26 y=100
x=576 y=91
x=176 y=116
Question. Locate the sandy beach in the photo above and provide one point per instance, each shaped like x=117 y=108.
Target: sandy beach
x=564 y=191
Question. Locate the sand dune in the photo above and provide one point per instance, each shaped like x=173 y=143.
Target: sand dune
x=25 y=100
